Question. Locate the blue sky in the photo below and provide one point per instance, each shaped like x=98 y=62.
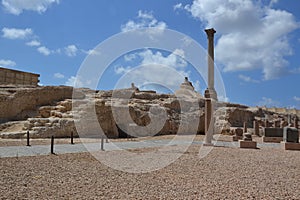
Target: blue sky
x=257 y=42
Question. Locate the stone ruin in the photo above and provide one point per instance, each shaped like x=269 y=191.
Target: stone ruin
x=47 y=111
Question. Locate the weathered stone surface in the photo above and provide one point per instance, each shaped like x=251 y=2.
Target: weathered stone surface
x=290 y=135
x=248 y=144
x=273 y=132
x=247 y=137
x=187 y=90
x=227 y=117
x=272 y=139
x=21 y=103
x=290 y=146
x=236 y=138
x=51 y=111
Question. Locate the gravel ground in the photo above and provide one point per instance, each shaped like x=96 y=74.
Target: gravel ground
x=226 y=173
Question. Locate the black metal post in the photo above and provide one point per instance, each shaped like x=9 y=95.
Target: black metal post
x=72 y=136
x=102 y=143
x=52 y=144
x=28 y=138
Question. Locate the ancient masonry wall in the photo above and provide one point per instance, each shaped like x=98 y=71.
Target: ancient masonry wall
x=14 y=77
x=19 y=104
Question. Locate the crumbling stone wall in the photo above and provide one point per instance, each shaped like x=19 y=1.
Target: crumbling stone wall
x=22 y=103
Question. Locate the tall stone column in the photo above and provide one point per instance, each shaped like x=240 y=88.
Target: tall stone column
x=210 y=92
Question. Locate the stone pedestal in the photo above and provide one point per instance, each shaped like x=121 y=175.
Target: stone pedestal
x=290 y=135
x=211 y=93
x=238 y=135
x=245 y=127
x=273 y=135
x=272 y=139
x=209 y=121
x=290 y=146
x=248 y=144
x=256 y=127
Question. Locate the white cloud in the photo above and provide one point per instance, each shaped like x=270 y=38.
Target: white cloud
x=173 y=60
x=178 y=6
x=71 y=50
x=7 y=63
x=71 y=81
x=129 y=57
x=268 y=102
x=122 y=70
x=153 y=74
x=16 y=7
x=78 y=82
x=247 y=79
x=252 y=35
x=154 y=67
x=272 y=2
x=91 y=52
x=297 y=98
x=144 y=20
x=44 y=50
x=13 y=33
x=197 y=86
x=223 y=99
x=295 y=71
x=59 y=75
x=33 y=43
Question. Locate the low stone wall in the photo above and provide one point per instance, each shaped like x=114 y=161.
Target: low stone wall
x=22 y=103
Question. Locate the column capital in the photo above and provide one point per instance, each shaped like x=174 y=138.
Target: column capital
x=210 y=32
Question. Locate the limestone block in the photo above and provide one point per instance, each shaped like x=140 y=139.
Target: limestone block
x=66 y=104
x=56 y=114
x=15 y=135
x=272 y=139
x=67 y=115
x=60 y=108
x=45 y=111
x=28 y=126
x=37 y=124
x=48 y=125
x=43 y=121
x=290 y=135
x=248 y=144
x=290 y=146
x=273 y=132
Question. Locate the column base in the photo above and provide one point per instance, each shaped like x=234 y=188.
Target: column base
x=208 y=144
x=211 y=93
